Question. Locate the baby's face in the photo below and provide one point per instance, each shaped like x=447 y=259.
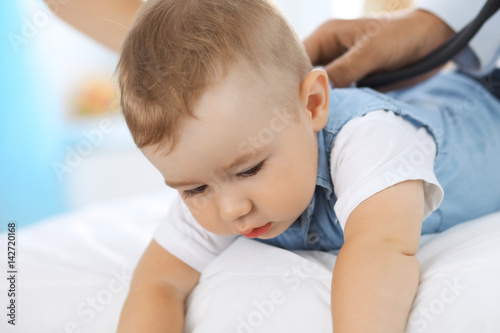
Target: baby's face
x=245 y=166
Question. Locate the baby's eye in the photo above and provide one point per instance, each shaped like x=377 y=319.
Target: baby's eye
x=253 y=171
x=193 y=192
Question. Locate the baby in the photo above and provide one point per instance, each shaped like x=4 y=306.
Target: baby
x=221 y=98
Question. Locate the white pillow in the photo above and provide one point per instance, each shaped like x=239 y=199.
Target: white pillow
x=74 y=273
x=254 y=287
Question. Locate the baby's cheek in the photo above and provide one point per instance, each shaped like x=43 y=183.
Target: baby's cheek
x=283 y=192
x=297 y=187
x=205 y=213
x=207 y=222
x=199 y=207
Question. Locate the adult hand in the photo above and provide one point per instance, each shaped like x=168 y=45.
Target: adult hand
x=352 y=49
x=105 y=21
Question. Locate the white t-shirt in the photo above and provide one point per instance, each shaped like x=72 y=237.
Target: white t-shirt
x=370 y=153
x=379 y=150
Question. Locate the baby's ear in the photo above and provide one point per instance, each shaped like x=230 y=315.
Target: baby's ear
x=315 y=97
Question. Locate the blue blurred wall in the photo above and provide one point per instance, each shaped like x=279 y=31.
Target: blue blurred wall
x=29 y=128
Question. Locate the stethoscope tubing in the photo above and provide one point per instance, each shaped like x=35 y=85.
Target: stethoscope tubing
x=438 y=57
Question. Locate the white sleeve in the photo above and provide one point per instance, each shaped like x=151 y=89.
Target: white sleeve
x=485 y=44
x=181 y=235
x=379 y=150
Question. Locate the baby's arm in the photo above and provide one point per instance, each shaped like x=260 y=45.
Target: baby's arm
x=376 y=274
x=159 y=287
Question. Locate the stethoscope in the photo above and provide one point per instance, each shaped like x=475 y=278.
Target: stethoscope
x=440 y=56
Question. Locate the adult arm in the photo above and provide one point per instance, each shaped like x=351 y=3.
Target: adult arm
x=485 y=44
x=105 y=21
x=352 y=49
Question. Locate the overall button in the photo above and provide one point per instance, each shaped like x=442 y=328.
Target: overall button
x=312 y=238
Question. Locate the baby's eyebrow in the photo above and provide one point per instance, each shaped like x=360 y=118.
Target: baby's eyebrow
x=178 y=184
x=242 y=159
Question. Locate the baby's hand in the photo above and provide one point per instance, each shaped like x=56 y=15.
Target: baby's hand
x=159 y=288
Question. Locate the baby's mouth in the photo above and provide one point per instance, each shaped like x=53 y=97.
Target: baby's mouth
x=256 y=232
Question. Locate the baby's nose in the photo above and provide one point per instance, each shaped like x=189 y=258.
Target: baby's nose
x=232 y=208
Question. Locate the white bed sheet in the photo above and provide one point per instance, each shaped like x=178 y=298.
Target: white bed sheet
x=74 y=272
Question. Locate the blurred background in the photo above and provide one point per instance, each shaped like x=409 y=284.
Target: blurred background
x=63 y=143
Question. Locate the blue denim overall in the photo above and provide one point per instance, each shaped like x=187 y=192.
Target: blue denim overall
x=464 y=120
